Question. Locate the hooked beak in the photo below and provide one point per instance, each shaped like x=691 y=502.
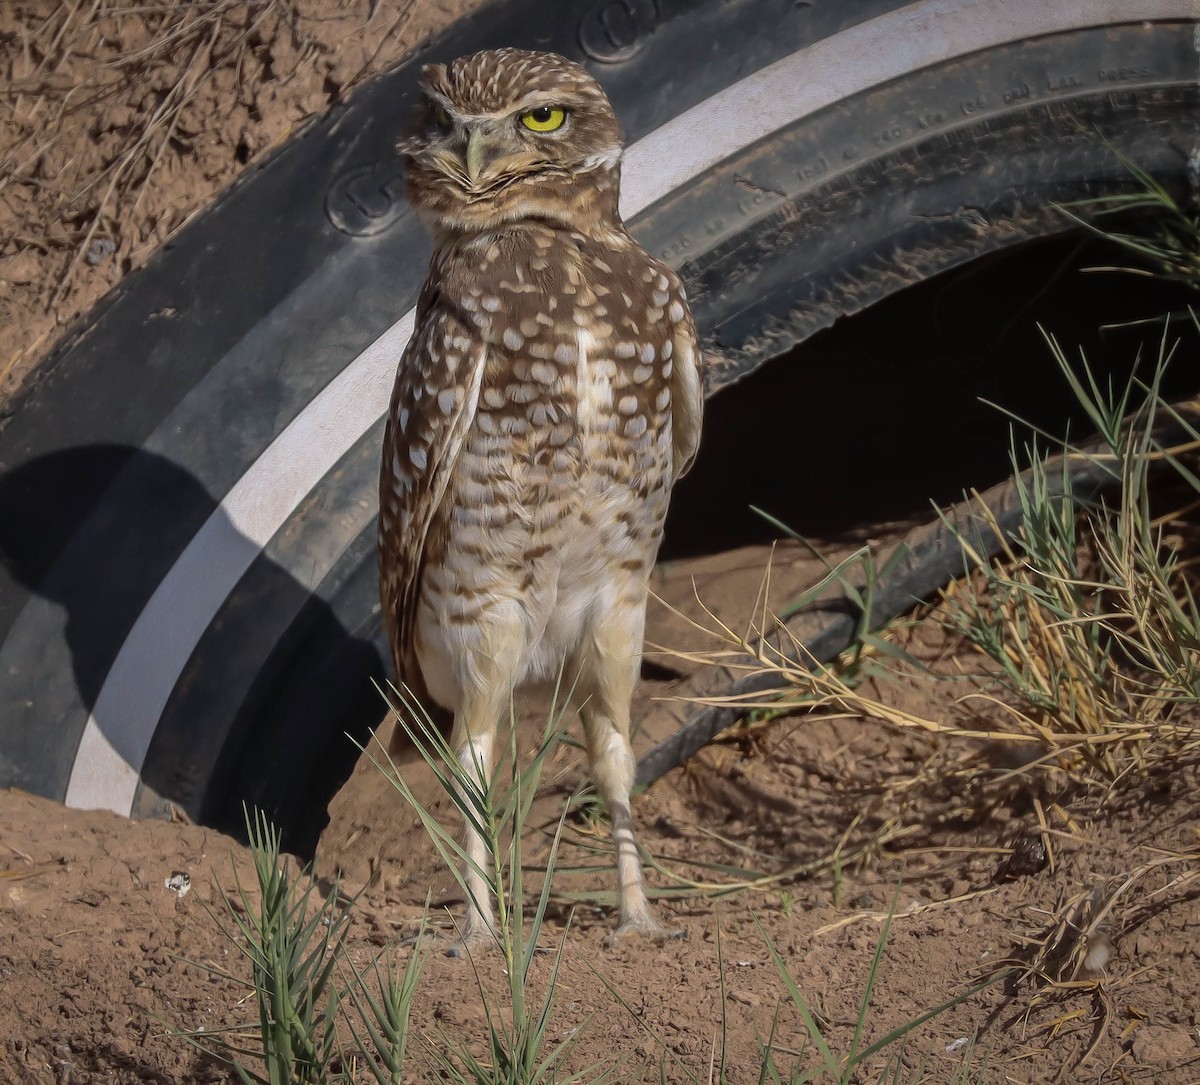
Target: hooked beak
x=474 y=157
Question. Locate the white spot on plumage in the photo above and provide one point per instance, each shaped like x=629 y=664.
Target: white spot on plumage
x=419 y=457
x=543 y=372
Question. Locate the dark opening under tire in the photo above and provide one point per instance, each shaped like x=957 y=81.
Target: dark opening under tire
x=188 y=610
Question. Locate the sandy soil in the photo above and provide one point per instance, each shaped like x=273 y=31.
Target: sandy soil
x=109 y=962
x=116 y=128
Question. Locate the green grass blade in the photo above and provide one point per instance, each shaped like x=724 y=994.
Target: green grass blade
x=831 y=1064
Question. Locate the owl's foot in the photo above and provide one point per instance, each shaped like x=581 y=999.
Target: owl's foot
x=647 y=925
x=475 y=936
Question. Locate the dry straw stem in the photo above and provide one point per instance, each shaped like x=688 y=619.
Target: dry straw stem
x=914 y=909
x=768 y=647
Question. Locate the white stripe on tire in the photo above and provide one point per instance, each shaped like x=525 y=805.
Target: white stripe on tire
x=110 y=755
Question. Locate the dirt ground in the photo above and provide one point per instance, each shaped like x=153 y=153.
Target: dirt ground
x=105 y=962
x=117 y=126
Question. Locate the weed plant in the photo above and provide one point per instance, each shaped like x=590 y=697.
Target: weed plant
x=833 y=1067
x=846 y=1068
x=294 y=941
x=1089 y=617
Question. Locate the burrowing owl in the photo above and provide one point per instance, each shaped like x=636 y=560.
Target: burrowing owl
x=550 y=396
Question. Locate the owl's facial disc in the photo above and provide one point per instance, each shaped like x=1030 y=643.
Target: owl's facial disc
x=506 y=135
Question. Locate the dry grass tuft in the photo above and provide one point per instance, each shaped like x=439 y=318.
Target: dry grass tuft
x=1088 y=621
x=1087 y=626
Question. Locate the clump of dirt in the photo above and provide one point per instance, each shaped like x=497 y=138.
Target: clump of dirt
x=118 y=122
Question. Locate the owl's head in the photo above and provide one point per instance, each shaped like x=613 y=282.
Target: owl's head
x=508 y=135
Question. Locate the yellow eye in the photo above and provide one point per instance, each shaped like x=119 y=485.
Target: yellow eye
x=442 y=118
x=543 y=119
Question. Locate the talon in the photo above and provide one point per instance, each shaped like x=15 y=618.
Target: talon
x=474 y=936
x=646 y=926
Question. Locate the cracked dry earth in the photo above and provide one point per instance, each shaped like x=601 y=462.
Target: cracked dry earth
x=119 y=122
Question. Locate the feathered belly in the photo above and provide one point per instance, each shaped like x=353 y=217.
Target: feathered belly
x=530 y=547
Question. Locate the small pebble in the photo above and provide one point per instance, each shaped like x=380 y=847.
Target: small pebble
x=100 y=250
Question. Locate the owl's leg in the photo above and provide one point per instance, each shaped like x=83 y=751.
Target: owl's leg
x=474 y=739
x=609 y=662
x=471 y=666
